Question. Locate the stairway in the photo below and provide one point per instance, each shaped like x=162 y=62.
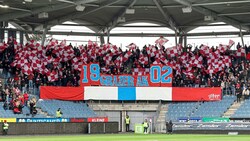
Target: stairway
x=41 y=112
x=232 y=109
x=160 y=125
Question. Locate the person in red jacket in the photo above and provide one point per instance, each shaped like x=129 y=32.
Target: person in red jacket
x=26 y=98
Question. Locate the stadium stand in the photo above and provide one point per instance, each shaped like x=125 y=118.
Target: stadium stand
x=243 y=111
x=26 y=113
x=60 y=66
x=199 y=109
x=69 y=109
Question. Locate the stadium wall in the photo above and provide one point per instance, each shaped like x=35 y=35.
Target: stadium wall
x=61 y=128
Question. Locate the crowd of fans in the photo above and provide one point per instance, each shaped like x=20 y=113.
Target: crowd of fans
x=232 y=79
x=16 y=100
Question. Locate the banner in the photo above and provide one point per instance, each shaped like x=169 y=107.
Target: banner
x=98 y=119
x=186 y=119
x=127 y=93
x=61 y=93
x=196 y=94
x=130 y=93
x=219 y=119
x=78 y=119
x=211 y=126
x=42 y=120
x=8 y=119
x=159 y=76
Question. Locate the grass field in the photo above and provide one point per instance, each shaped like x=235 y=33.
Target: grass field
x=128 y=137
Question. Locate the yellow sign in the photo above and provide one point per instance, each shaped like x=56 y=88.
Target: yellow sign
x=8 y=119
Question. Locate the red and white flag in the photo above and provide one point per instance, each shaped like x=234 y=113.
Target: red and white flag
x=27 y=69
x=107 y=58
x=174 y=51
x=205 y=50
x=140 y=71
x=223 y=48
x=53 y=76
x=127 y=55
x=143 y=59
x=3 y=46
x=132 y=46
x=161 y=41
x=231 y=43
x=119 y=61
x=241 y=52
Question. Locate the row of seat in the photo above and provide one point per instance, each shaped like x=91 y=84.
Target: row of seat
x=243 y=111
x=199 y=109
x=68 y=108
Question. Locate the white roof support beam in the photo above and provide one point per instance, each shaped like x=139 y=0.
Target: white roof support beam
x=75 y=15
x=21 y=14
x=205 y=11
x=166 y=16
x=114 y=21
x=77 y=2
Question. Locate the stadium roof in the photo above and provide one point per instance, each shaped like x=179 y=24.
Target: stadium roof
x=103 y=15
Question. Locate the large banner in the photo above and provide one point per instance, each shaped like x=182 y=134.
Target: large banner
x=157 y=85
x=61 y=93
x=159 y=76
x=130 y=93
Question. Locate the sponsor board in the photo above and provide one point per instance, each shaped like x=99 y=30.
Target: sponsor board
x=211 y=126
x=186 y=119
x=206 y=119
x=43 y=120
x=78 y=120
x=8 y=119
x=98 y=119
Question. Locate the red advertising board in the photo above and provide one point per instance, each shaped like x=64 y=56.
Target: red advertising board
x=98 y=119
x=196 y=94
x=78 y=120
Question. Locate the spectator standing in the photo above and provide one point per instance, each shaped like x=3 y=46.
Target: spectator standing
x=30 y=78
x=32 y=106
x=238 y=94
x=245 y=93
x=26 y=98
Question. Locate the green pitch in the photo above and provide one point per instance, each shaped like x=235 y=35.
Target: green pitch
x=128 y=137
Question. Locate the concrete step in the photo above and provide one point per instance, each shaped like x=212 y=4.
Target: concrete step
x=232 y=109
